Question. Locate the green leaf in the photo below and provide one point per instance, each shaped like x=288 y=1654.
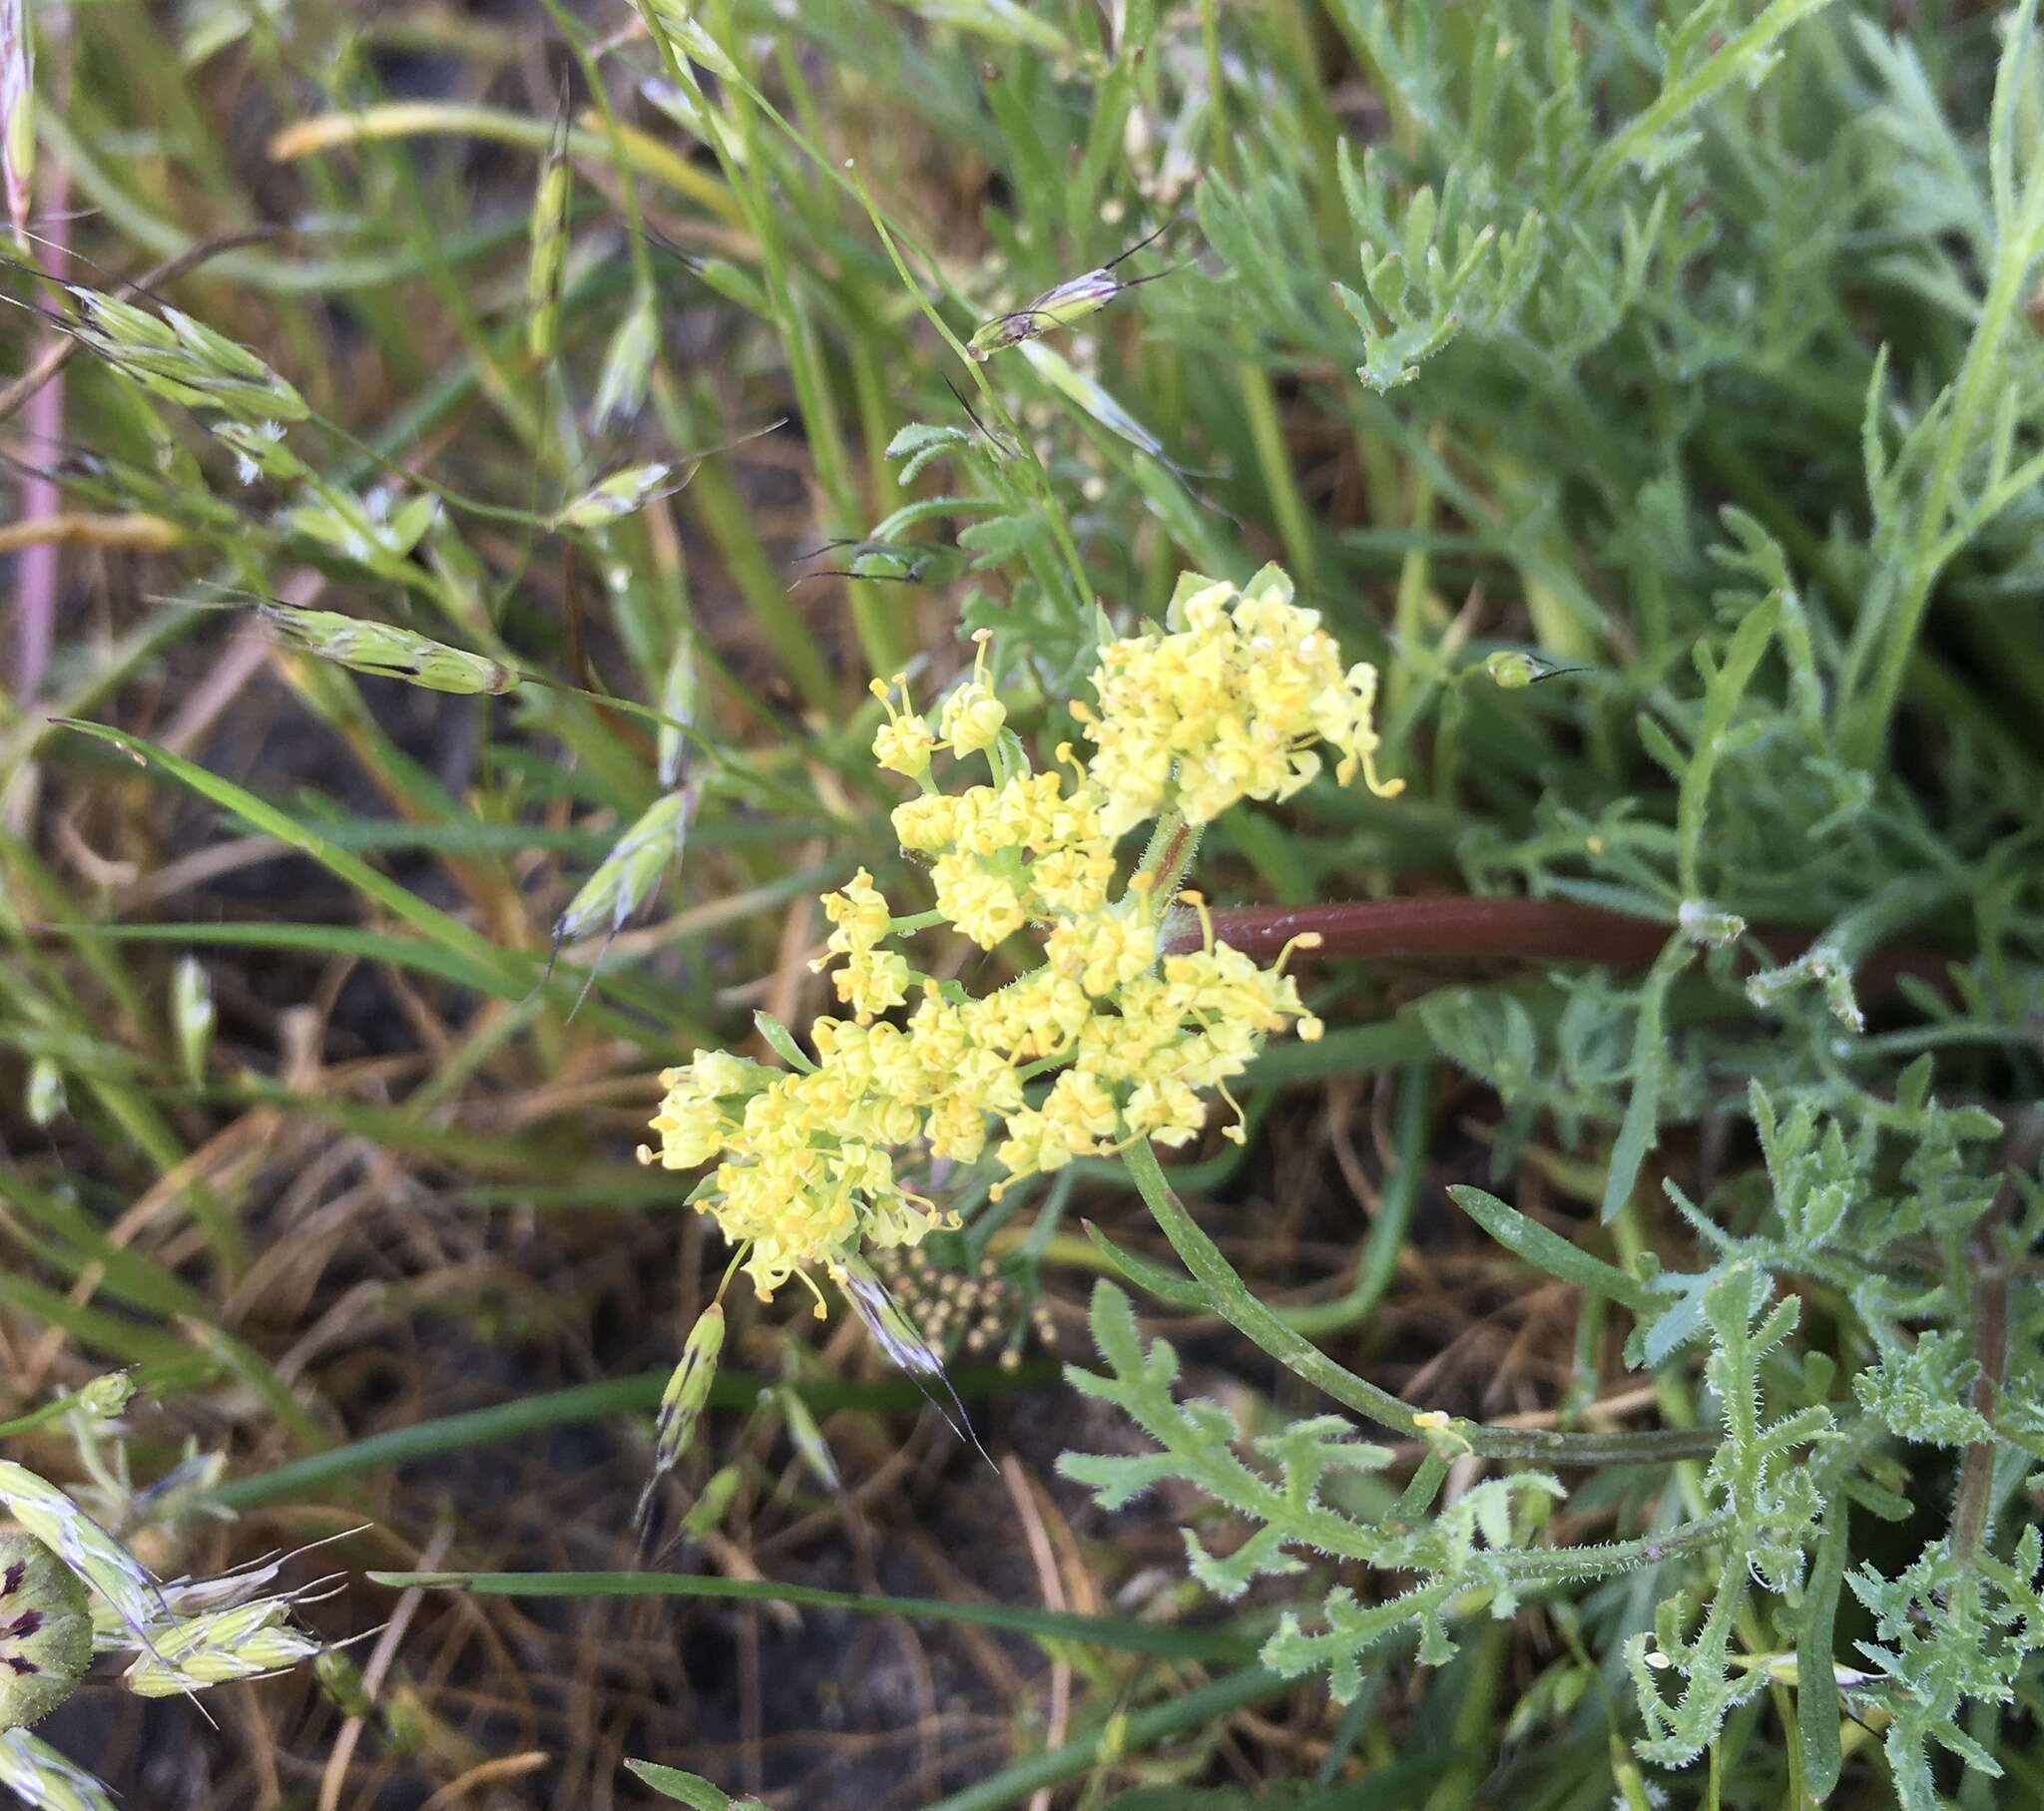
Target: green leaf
x=1176 y=1288
x=1817 y=1702
x=1549 y=1251
x=1120 y=1633
x=689 y=1788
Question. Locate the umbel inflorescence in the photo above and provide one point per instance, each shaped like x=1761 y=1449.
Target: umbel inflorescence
x=1105 y=1041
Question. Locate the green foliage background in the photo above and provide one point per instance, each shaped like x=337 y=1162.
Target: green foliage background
x=1682 y=361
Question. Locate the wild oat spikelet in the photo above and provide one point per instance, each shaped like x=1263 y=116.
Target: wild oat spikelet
x=631 y=873
x=1063 y=305
x=682 y=1401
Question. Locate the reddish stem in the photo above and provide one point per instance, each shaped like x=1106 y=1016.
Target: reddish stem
x=1458 y=927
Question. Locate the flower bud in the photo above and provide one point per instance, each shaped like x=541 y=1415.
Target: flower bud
x=106 y=1396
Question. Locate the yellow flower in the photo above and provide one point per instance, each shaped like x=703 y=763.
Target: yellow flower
x=1105 y=950
x=872 y=981
x=981 y=903
x=859 y=911
x=972 y=716
x=904 y=742
x=927 y=825
x=1230 y=698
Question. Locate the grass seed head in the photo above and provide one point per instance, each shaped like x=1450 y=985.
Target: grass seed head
x=260 y=451
x=619 y=495
x=627 y=364
x=185 y=360
x=681 y=1404
x=386 y=650
x=1063 y=305
x=45 y=1102
x=249 y=1641
x=808 y=1439
x=191 y=1016
x=680 y=689
x=85 y=1546
x=38 y=1775
x=712 y=1503
x=548 y=256
x=687 y=1390
x=631 y=873
x=674 y=26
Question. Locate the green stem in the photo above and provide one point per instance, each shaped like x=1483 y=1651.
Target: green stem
x=1230 y=1298
x=1866 y=724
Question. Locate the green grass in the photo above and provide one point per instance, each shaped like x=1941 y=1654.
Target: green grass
x=1653 y=393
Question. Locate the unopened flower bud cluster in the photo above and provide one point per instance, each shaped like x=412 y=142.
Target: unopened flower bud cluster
x=1102 y=1043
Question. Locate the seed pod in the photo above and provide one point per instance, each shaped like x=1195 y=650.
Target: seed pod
x=549 y=245
x=627 y=362
x=386 y=652
x=45 y=1631
x=38 y=1775
x=17 y=115
x=619 y=495
x=680 y=689
x=191 y=1016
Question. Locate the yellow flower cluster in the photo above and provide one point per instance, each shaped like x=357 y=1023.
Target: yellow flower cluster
x=1227 y=705
x=1099 y=1044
